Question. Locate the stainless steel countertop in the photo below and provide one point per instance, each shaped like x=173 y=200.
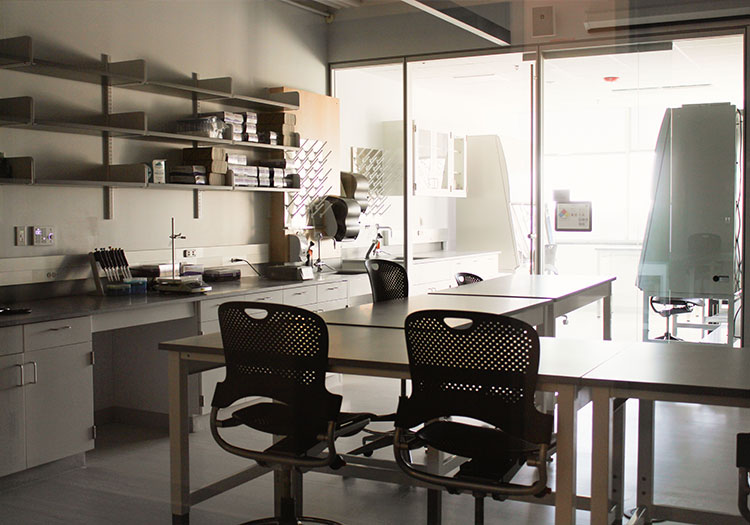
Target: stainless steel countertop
x=83 y=305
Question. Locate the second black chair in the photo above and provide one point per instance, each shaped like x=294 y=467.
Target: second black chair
x=484 y=367
x=280 y=352
x=388 y=280
x=467 y=278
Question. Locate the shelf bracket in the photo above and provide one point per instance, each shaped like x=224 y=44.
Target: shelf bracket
x=109 y=194
x=197 y=203
x=108 y=201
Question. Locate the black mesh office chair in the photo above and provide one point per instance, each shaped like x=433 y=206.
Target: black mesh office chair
x=467 y=278
x=280 y=352
x=481 y=366
x=388 y=280
x=743 y=463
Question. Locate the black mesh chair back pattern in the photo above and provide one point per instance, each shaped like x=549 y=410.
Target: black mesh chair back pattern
x=278 y=352
x=481 y=366
x=388 y=280
x=467 y=278
x=743 y=463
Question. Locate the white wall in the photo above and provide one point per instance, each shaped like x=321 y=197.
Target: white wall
x=259 y=43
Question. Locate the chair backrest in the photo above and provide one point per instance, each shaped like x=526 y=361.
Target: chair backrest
x=467 y=278
x=275 y=351
x=388 y=280
x=481 y=365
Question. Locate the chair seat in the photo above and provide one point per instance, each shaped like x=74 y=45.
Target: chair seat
x=278 y=419
x=485 y=444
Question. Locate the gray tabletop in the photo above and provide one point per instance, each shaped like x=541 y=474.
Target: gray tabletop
x=554 y=287
x=382 y=352
x=391 y=314
x=680 y=368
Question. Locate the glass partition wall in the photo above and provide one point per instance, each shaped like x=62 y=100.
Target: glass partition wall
x=645 y=140
x=372 y=146
x=639 y=172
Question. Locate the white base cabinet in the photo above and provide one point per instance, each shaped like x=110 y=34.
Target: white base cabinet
x=46 y=394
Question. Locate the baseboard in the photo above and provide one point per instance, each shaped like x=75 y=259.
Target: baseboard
x=47 y=470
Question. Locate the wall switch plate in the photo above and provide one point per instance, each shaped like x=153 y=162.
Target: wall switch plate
x=21 y=235
x=43 y=235
x=542 y=21
x=190 y=253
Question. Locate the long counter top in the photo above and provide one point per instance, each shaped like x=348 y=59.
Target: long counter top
x=82 y=305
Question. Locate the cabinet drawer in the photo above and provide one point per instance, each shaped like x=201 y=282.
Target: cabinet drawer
x=331 y=291
x=56 y=333
x=330 y=305
x=430 y=272
x=210 y=309
x=271 y=296
x=300 y=296
x=12 y=338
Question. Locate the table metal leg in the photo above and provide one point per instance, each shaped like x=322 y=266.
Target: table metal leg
x=607 y=317
x=618 y=457
x=565 y=486
x=601 y=456
x=433 y=460
x=548 y=329
x=179 y=452
x=645 y=484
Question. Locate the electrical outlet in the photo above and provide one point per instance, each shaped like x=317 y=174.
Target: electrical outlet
x=43 y=235
x=190 y=253
x=21 y=238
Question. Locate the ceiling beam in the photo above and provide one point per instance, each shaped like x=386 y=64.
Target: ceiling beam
x=467 y=20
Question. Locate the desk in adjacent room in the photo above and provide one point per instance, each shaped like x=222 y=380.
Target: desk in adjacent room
x=567 y=293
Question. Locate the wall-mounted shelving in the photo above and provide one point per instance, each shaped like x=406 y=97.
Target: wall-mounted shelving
x=17 y=54
x=18 y=112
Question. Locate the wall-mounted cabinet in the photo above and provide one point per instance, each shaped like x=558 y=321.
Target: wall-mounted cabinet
x=17 y=54
x=439 y=157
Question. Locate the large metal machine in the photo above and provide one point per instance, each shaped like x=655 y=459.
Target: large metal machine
x=691 y=247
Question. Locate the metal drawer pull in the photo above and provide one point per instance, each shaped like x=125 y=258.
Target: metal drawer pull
x=266 y=298
x=22 y=375
x=299 y=293
x=332 y=289
x=66 y=327
x=36 y=377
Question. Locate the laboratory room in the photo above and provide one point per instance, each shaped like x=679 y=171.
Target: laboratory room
x=373 y=262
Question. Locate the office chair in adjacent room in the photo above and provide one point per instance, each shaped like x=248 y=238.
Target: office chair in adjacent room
x=743 y=464
x=669 y=307
x=388 y=280
x=280 y=352
x=467 y=278
x=480 y=366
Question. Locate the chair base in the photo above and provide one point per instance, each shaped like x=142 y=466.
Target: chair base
x=299 y=520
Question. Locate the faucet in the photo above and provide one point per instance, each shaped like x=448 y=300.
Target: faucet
x=374 y=248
